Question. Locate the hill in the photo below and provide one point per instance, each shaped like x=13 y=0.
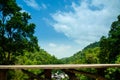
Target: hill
x=79 y=56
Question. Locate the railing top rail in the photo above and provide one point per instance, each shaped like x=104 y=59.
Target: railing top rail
x=59 y=66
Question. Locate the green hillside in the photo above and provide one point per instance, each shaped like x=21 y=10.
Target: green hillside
x=31 y=58
x=81 y=56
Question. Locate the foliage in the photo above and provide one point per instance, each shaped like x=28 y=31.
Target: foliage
x=16 y=34
x=87 y=55
x=29 y=58
x=114 y=39
x=92 y=45
x=90 y=56
x=104 y=52
x=76 y=58
x=112 y=73
x=36 y=58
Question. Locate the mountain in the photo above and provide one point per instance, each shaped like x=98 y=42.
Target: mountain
x=79 y=57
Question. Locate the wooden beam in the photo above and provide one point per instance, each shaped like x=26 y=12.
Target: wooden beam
x=3 y=74
x=48 y=74
x=91 y=75
x=59 y=66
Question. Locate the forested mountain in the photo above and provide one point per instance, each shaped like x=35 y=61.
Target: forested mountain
x=80 y=56
x=92 y=45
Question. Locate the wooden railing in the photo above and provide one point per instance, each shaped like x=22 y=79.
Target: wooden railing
x=59 y=66
x=69 y=69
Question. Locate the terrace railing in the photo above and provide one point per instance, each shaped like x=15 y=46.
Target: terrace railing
x=69 y=69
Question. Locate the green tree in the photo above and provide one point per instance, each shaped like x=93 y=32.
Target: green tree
x=110 y=47
x=110 y=51
x=16 y=33
x=91 y=55
x=114 y=37
x=104 y=50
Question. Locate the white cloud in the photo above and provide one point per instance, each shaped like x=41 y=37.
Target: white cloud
x=59 y=50
x=35 y=5
x=88 y=22
x=52 y=45
x=32 y=3
x=43 y=6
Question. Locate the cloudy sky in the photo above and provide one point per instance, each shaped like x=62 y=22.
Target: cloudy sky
x=64 y=27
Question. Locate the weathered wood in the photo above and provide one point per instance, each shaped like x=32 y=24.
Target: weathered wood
x=47 y=73
x=91 y=75
x=3 y=74
x=59 y=66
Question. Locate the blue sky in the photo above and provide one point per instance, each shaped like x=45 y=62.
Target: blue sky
x=64 y=27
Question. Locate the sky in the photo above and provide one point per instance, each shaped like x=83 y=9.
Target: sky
x=64 y=27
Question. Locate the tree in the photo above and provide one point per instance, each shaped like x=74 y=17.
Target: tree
x=114 y=37
x=110 y=46
x=16 y=33
x=104 y=50
x=110 y=51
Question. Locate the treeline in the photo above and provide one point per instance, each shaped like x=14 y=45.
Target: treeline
x=107 y=50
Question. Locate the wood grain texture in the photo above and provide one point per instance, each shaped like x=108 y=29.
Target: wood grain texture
x=59 y=66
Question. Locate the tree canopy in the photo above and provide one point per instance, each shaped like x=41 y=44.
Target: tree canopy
x=16 y=33
x=114 y=40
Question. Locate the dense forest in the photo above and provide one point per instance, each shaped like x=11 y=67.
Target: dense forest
x=19 y=46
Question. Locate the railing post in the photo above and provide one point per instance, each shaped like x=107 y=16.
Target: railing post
x=47 y=73
x=3 y=74
x=72 y=76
